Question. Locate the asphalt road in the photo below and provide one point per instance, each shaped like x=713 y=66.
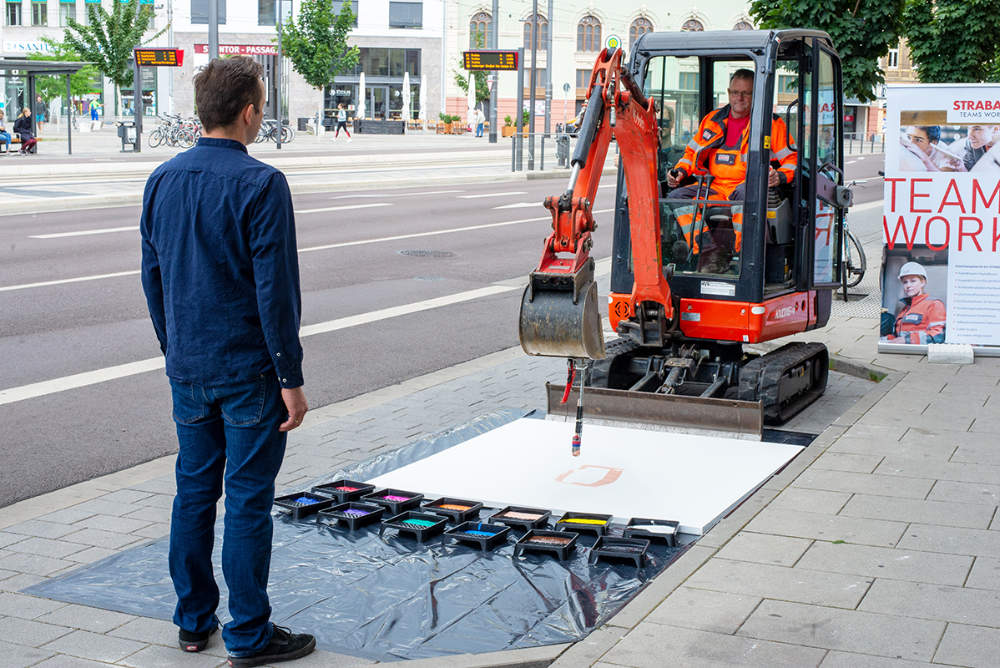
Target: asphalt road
x=71 y=304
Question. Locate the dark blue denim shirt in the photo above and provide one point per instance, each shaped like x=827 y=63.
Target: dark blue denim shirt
x=220 y=266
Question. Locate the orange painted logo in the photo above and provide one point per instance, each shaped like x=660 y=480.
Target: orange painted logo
x=587 y=476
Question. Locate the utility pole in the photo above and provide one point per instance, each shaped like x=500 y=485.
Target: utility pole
x=494 y=40
x=277 y=82
x=548 y=77
x=533 y=82
x=170 y=43
x=213 y=29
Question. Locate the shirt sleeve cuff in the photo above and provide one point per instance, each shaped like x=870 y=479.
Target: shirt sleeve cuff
x=289 y=375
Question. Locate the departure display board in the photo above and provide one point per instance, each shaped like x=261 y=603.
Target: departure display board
x=159 y=57
x=490 y=60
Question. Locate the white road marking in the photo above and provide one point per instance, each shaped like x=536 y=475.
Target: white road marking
x=78 y=279
x=516 y=192
x=518 y=205
x=383 y=194
x=83 y=233
x=343 y=207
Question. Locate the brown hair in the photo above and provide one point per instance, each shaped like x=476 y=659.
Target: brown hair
x=224 y=88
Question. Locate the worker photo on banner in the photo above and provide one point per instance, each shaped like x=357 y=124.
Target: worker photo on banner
x=928 y=143
x=914 y=296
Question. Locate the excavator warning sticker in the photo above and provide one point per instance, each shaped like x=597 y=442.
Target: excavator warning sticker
x=621 y=309
x=767 y=141
x=718 y=288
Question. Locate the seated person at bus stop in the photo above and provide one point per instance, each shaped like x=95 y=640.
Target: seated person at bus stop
x=922 y=318
x=719 y=150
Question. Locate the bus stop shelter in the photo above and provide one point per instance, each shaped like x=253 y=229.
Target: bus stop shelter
x=30 y=70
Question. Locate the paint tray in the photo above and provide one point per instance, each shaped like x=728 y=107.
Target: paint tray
x=650 y=529
x=420 y=525
x=562 y=550
x=404 y=501
x=584 y=523
x=344 y=490
x=455 y=514
x=631 y=549
x=301 y=504
x=539 y=522
x=471 y=532
x=353 y=513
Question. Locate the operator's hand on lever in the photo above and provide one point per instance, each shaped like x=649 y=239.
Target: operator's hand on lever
x=772 y=178
x=673 y=178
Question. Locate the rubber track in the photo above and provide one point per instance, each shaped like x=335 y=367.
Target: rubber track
x=761 y=379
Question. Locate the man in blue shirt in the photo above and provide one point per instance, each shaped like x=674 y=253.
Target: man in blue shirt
x=221 y=277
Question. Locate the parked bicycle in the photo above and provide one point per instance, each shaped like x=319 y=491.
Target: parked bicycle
x=855 y=262
x=175 y=130
x=269 y=132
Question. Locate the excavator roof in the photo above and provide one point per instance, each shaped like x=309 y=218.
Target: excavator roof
x=723 y=40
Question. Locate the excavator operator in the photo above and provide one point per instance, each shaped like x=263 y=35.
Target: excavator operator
x=717 y=156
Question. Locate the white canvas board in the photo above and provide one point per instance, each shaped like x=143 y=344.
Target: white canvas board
x=625 y=472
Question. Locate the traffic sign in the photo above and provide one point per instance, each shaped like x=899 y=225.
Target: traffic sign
x=489 y=60
x=159 y=57
x=613 y=42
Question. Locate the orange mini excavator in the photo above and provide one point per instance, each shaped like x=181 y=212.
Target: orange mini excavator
x=695 y=276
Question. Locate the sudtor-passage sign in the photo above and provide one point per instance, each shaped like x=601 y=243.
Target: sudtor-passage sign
x=490 y=60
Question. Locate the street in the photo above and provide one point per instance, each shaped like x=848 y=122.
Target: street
x=396 y=283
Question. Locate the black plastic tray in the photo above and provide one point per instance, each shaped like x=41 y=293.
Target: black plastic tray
x=299 y=510
x=499 y=534
x=596 y=529
x=421 y=533
x=561 y=552
x=610 y=547
x=472 y=513
x=344 y=495
x=336 y=514
x=669 y=536
x=540 y=523
x=395 y=507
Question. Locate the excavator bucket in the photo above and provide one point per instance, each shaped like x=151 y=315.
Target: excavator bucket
x=560 y=316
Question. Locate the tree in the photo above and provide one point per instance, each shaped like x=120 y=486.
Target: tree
x=953 y=40
x=316 y=42
x=862 y=32
x=462 y=80
x=108 y=38
x=81 y=83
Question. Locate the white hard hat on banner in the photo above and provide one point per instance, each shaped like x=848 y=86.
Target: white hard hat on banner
x=913 y=269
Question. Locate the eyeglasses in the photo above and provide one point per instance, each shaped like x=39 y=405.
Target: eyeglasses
x=740 y=93
x=916 y=139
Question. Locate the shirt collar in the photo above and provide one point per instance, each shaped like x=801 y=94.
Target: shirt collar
x=221 y=143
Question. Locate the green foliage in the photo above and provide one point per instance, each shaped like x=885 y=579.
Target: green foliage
x=316 y=41
x=108 y=38
x=953 y=41
x=862 y=32
x=508 y=121
x=525 y=117
x=86 y=80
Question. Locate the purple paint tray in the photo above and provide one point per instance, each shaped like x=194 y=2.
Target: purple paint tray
x=538 y=540
x=301 y=504
x=631 y=549
x=486 y=536
x=353 y=513
x=336 y=490
x=455 y=514
x=584 y=523
x=403 y=500
x=419 y=525
x=505 y=517
x=650 y=529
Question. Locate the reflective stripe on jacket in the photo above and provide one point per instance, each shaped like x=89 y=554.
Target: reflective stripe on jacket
x=921 y=320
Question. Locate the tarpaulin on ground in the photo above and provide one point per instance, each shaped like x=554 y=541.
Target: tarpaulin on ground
x=384 y=596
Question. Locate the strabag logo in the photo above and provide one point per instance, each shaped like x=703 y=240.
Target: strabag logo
x=974 y=110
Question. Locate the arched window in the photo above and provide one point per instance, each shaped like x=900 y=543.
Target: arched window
x=639 y=27
x=588 y=34
x=742 y=25
x=480 y=29
x=543 y=33
x=693 y=25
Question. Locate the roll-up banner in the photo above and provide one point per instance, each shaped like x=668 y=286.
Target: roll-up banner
x=941 y=218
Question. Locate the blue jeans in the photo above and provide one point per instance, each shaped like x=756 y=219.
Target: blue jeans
x=4 y=137
x=479 y=129
x=229 y=433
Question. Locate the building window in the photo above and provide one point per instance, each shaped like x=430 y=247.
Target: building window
x=406 y=14
x=14 y=13
x=742 y=25
x=543 y=33
x=39 y=13
x=199 y=11
x=67 y=11
x=583 y=78
x=267 y=14
x=687 y=81
x=480 y=31
x=693 y=25
x=338 y=5
x=387 y=62
x=541 y=80
x=892 y=60
x=788 y=83
x=588 y=34
x=639 y=27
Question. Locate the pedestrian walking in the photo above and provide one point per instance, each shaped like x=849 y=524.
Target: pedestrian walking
x=342 y=122
x=221 y=278
x=95 y=117
x=40 y=113
x=480 y=121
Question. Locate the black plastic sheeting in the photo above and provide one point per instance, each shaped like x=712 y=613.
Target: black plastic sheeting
x=386 y=596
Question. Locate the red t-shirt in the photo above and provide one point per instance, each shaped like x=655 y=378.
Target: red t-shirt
x=734 y=129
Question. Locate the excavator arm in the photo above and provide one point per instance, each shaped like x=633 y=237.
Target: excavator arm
x=559 y=315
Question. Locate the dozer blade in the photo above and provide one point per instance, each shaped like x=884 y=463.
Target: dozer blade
x=560 y=316
x=667 y=410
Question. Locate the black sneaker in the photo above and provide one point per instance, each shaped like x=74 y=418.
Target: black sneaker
x=284 y=646
x=194 y=642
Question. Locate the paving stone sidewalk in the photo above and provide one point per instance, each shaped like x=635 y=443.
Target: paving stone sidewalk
x=877 y=546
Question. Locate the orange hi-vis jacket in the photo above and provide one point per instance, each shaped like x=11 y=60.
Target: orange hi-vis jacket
x=707 y=154
x=921 y=320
